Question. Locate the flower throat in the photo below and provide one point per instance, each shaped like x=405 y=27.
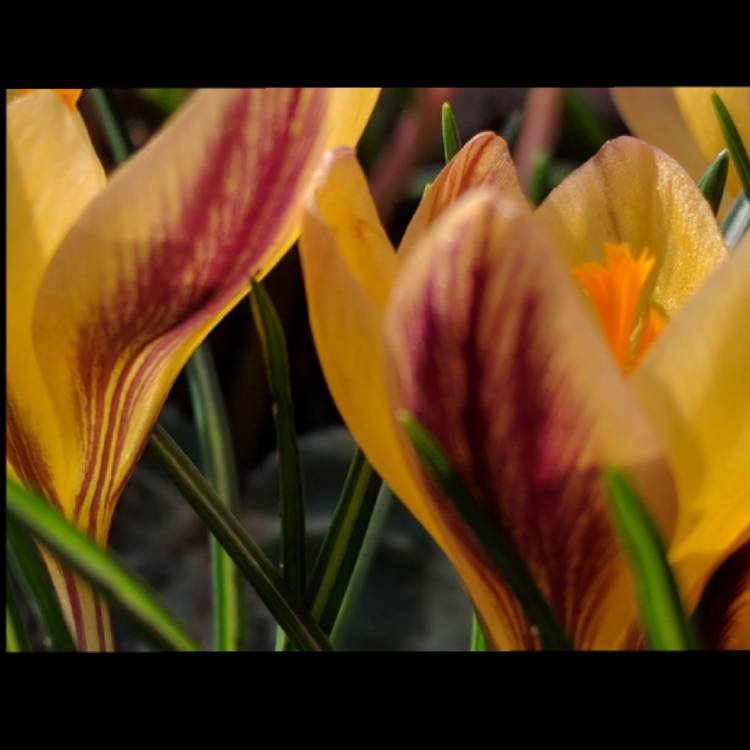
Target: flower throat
x=614 y=288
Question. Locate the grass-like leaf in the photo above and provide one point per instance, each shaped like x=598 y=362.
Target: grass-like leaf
x=284 y=604
x=736 y=222
x=499 y=549
x=666 y=626
x=98 y=566
x=478 y=641
x=117 y=135
x=276 y=358
x=734 y=142
x=16 y=639
x=451 y=135
x=713 y=180
x=342 y=545
x=511 y=127
x=217 y=454
x=31 y=571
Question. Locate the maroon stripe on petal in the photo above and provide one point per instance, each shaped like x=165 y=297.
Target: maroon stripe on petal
x=194 y=265
x=24 y=453
x=75 y=608
x=491 y=350
x=725 y=608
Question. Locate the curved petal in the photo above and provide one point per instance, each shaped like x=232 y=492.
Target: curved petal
x=693 y=384
x=490 y=348
x=725 y=611
x=696 y=108
x=52 y=174
x=159 y=257
x=484 y=160
x=349 y=265
x=631 y=193
x=654 y=115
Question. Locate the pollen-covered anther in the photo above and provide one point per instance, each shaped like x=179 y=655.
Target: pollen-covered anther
x=614 y=289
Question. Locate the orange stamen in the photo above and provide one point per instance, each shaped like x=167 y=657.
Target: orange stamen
x=614 y=289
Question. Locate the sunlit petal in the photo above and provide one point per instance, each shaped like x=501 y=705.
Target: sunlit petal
x=490 y=347
x=484 y=160
x=52 y=173
x=699 y=114
x=652 y=113
x=631 y=193
x=695 y=387
x=349 y=266
x=159 y=257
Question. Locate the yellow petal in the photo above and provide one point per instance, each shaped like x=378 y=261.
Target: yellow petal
x=69 y=96
x=694 y=385
x=52 y=174
x=349 y=265
x=85 y=611
x=700 y=117
x=653 y=115
x=159 y=257
x=484 y=160
x=631 y=193
x=491 y=349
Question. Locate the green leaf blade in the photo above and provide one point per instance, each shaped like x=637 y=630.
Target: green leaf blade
x=16 y=639
x=276 y=358
x=478 y=641
x=284 y=604
x=451 y=134
x=343 y=543
x=218 y=458
x=713 y=180
x=733 y=141
x=105 y=573
x=667 y=627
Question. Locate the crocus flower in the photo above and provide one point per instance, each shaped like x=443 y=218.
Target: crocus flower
x=112 y=285
x=682 y=122
x=603 y=329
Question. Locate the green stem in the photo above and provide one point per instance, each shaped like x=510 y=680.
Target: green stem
x=219 y=465
x=286 y=606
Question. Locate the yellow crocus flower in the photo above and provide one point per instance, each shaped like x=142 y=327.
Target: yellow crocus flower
x=682 y=122
x=606 y=328
x=113 y=284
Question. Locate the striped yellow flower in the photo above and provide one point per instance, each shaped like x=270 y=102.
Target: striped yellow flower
x=113 y=284
x=606 y=328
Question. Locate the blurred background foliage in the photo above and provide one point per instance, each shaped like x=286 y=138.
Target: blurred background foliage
x=405 y=595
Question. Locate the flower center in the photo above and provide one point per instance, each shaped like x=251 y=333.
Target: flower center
x=614 y=288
